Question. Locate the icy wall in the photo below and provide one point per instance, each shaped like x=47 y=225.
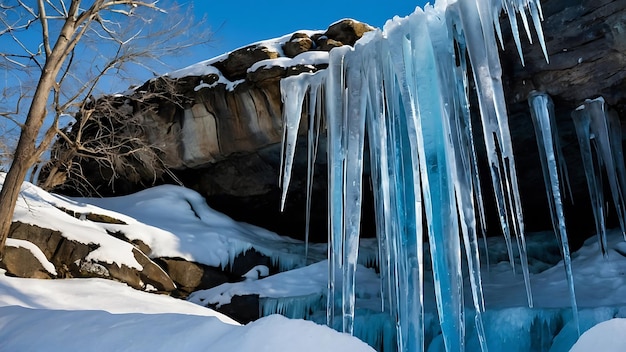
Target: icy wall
x=406 y=89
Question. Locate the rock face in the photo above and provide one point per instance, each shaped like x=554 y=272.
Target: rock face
x=222 y=135
x=585 y=43
x=174 y=276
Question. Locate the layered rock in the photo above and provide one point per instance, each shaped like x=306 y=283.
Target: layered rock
x=37 y=252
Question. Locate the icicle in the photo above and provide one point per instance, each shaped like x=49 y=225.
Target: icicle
x=593 y=174
x=355 y=108
x=537 y=16
x=511 y=12
x=461 y=150
x=404 y=87
x=599 y=128
x=482 y=49
x=335 y=85
x=521 y=8
x=496 y=14
x=293 y=90
x=407 y=195
x=315 y=117
x=424 y=89
x=542 y=113
x=615 y=130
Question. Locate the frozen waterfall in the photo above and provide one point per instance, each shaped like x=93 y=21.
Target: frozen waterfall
x=406 y=89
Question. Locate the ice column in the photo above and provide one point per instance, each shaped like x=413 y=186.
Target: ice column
x=542 y=113
x=405 y=232
x=353 y=95
x=335 y=87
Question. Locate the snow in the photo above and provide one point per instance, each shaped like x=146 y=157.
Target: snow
x=183 y=225
x=101 y=315
x=607 y=336
x=205 y=68
x=308 y=281
x=40 y=208
x=94 y=309
x=306 y=58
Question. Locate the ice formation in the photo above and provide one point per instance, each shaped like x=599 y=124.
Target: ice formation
x=553 y=167
x=406 y=88
x=599 y=136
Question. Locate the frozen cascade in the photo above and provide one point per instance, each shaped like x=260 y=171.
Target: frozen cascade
x=404 y=86
x=299 y=307
x=542 y=113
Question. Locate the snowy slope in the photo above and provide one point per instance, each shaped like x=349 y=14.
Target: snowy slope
x=100 y=315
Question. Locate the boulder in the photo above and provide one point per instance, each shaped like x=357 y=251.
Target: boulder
x=21 y=262
x=347 y=31
x=69 y=259
x=299 y=43
x=190 y=276
x=236 y=65
x=327 y=44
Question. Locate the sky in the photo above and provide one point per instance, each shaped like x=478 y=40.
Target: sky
x=238 y=23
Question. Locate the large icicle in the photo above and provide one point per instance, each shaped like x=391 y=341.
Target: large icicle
x=293 y=90
x=594 y=123
x=453 y=75
x=416 y=72
x=335 y=86
x=404 y=202
x=593 y=174
x=600 y=129
x=542 y=113
x=354 y=108
x=477 y=23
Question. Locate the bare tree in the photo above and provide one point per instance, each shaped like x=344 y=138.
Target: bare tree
x=56 y=55
x=110 y=135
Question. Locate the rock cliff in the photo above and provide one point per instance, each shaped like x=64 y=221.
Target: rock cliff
x=219 y=129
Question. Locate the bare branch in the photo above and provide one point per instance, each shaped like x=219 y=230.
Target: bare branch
x=45 y=32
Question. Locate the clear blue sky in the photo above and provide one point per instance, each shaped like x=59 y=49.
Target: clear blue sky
x=236 y=23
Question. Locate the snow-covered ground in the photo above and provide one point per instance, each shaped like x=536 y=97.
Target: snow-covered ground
x=96 y=314
x=102 y=315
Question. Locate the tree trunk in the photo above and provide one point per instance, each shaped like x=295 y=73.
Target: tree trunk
x=27 y=152
x=11 y=189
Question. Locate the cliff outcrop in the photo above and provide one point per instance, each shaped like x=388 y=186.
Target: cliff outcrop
x=219 y=129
